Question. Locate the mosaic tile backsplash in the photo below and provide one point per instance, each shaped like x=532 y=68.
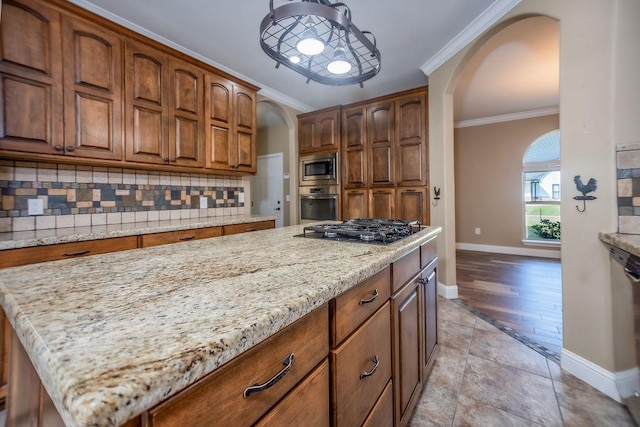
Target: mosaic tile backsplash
x=628 y=175
x=74 y=196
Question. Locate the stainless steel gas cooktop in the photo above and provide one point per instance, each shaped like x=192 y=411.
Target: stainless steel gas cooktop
x=366 y=230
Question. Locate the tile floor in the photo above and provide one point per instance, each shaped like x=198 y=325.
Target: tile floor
x=484 y=377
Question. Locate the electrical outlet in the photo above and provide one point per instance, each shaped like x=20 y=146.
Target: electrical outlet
x=204 y=203
x=35 y=207
x=478 y=230
x=240 y=197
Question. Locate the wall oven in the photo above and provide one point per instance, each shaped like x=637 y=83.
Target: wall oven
x=319 y=203
x=319 y=169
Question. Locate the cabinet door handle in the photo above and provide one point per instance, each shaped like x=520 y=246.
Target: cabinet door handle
x=70 y=148
x=376 y=362
x=277 y=377
x=59 y=147
x=173 y=160
x=71 y=254
x=188 y=238
x=374 y=296
x=251 y=229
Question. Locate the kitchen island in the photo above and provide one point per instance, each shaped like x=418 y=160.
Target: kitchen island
x=113 y=335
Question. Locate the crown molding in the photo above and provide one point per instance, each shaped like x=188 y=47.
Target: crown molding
x=479 y=25
x=507 y=117
x=266 y=91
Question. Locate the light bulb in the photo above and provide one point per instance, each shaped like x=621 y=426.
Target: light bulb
x=310 y=44
x=295 y=59
x=339 y=63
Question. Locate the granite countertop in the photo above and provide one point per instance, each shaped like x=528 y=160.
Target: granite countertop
x=113 y=335
x=626 y=242
x=24 y=239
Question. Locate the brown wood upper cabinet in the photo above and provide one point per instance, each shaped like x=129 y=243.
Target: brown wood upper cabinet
x=92 y=90
x=164 y=105
x=380 y=139
x=319 y=131
x=230 y=111
x=31 y=72
x=354 y=147
x=412 y=204
x=411 y=140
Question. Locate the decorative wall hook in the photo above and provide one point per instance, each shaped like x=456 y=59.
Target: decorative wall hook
x=436 y=196
x=589 y=187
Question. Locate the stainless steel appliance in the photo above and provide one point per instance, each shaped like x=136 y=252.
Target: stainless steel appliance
x=625 y=279
x=319 y=169
x=374 y=231
x=319 y=203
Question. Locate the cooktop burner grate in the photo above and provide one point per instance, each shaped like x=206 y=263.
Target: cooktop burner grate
x=380 y=231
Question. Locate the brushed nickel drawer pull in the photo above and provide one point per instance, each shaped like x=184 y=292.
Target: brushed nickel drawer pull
x=376 y=361
x=77 y=253
x=372 y=299
x=277 y=377
x=251 y=229
x=188 y=238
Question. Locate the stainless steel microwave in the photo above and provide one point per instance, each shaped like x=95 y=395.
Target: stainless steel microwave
x=319 y=169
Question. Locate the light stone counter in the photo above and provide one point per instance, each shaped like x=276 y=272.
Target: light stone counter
x=113 y=335
x=626 y=242
x=23 y=239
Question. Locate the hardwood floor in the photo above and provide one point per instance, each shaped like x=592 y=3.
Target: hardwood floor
x=523 y=293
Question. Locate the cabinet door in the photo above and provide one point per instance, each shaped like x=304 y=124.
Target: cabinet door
x=411 y=140
x=429 y=284
x=380 y=122
x=31 y=114
x=354 y=155
x=382 y=203
x=306 y=135
x=243 y=151
x=355 y=204
x=406 y=307
x=186 y=137
x=146 y=105
x=412 y=204
x=92 y=91
x=328 y=128
x=219 y=115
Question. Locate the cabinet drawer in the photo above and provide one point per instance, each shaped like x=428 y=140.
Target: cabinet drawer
x=32 y=255
x=179 y=236
x=307 y=404
x=382 y=413
x=428 y=252
x=251 y=226
x=218 y=399
x=357 y=304
x=405 y=269
x=358 y=379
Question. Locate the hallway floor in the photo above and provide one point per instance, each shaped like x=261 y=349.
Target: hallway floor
x=484 y=377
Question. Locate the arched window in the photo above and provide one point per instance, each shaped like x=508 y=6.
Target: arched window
x=541 y=189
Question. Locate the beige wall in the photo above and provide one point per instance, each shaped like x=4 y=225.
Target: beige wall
x=488 y=179
x=599 y=108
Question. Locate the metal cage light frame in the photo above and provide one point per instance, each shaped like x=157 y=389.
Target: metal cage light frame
x=283 y=28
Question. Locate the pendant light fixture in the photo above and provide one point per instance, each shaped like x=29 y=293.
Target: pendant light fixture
x=317 y=39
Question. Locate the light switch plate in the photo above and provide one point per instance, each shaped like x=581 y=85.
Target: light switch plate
x=240 y=197
x=204 y=203
x=35 y=207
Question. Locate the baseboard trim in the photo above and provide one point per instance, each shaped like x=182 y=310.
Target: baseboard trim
x=542 y=253
x=616 y=385
x=448 y=291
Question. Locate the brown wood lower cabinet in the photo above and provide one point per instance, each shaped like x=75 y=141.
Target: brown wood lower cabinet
x=308 y=402
x=382 y=414
x=32 y=255
x=361 y=368
x=247 y=227
x=219 y=399
x=147 y=240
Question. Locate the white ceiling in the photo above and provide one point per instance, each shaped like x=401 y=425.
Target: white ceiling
x=413 y=36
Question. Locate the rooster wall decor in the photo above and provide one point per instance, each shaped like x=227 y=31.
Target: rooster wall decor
x=589 y=187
